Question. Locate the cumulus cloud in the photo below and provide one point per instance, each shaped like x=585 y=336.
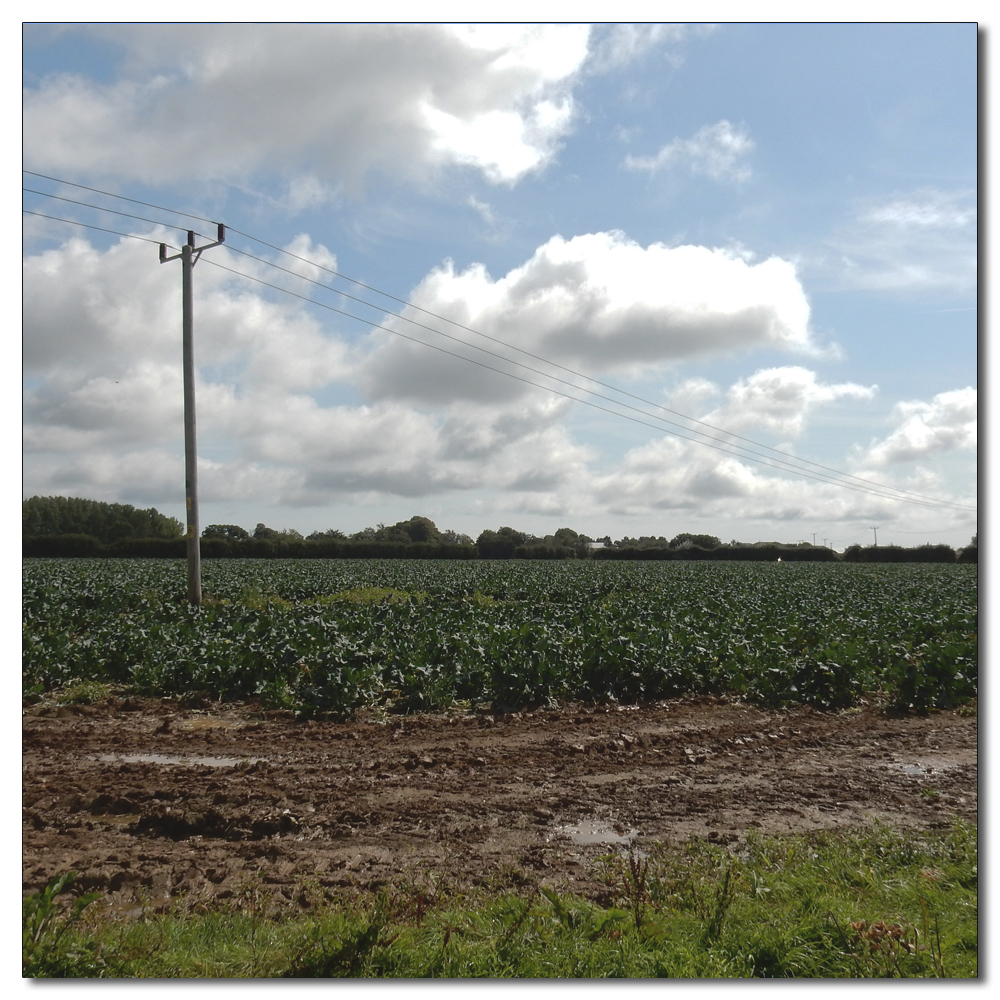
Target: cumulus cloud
x=103 y=405
x=322 y=105
x=948 y=423
x=104 y=401
x=679 y=479
x=94 y=312
x=669 y=477
x=923 y=240
x=598 y=302
x=780 y=400
x=717 y=151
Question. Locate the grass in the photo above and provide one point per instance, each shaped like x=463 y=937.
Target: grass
x=872 y=903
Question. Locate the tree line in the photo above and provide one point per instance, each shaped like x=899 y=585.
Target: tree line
x=70 y=526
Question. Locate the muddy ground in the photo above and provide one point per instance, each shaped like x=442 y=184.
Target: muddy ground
x=153 y=803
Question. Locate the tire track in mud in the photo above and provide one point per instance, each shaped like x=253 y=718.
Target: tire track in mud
x=151 y=801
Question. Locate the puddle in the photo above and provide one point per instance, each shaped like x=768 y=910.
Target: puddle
x=115 y=819
x=163 y=758
x=911 y=770
x=595 y=831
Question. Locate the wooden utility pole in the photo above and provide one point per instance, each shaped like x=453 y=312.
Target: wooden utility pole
x=189 y=257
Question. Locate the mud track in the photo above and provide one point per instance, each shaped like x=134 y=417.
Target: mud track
x=151 y=802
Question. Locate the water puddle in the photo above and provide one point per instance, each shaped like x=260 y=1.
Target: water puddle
x=595 y=831
x=115 y=819
x=910 y=770
x=163 y=758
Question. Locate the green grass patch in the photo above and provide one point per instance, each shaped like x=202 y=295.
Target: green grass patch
x=369 y=595
x=84 y=693
x=872 y=903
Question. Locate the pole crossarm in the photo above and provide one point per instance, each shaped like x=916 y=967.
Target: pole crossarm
x=190 y=242
x=188 y=257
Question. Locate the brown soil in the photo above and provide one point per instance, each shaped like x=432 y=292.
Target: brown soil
x=230 y=794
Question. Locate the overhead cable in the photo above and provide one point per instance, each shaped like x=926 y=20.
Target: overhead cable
x=100 y=229
x=783 y=461
x=763 y=460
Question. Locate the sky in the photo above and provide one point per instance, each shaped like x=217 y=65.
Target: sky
x=632 y=279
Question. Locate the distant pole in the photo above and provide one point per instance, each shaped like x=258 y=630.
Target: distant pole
x=814 y=539
x=189 y=257
x=876 y=536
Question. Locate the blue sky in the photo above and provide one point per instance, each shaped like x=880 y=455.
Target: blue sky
x=770 y=228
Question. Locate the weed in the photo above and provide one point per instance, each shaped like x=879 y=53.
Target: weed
x=83 y=693
x=345 y=953
x=253 y=898
x=47 y=951
x=636 y=885
x=724 y=895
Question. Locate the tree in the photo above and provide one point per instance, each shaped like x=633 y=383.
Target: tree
x=566 y=537
x=229 y=532
x=970 y=554
x=500 y=544
x=107 y=522
x=687 y=540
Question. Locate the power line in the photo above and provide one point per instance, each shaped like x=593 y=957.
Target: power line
x=85 y=225
x=764 y=460
x=729 y=434
x=785 y=462
x=742 y=452
x=111 y=211
x=109 y=194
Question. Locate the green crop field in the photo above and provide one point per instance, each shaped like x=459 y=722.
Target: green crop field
x=334 y=636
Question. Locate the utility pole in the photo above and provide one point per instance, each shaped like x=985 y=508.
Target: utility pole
x=876 y=536
x=814 y=539
x=189 y=257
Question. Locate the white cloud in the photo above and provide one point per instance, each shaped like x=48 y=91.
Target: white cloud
x=598 y=302
x=97 y=313
x=718 y=151
x=103 y=407
x=311 y=260
x=925 y=240
x=670 y=479
x=483 y=208
x=320 y=104
x=105 y=395
x=143 y=405
x=949 y=422
x=616 y=45
x=780 y=400
x=672 y=473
